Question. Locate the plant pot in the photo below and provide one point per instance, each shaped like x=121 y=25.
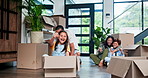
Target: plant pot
x=36 y=36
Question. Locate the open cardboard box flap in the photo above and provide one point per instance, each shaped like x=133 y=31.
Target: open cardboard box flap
x=116 y=67
x=119 y=66
x=59 y=62
x=142 y=65
x=131 y=47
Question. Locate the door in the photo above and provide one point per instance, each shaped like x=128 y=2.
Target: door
x=82 y=25
x=9 y=30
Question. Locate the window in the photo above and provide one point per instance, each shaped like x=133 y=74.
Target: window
x=124 y=0
x=82 y=1
x=130 y=21
x=47 y=12
x=145 y=15
x=44 y=2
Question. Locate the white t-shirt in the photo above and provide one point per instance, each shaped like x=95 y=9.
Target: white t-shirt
x=72 y=38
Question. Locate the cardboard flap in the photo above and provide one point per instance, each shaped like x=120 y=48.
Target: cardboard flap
x=78 y=63
x=131 y=47
x=119 y=66
x=142 y=65
x=59 y=62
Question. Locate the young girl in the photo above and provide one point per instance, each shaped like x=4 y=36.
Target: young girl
x=61 y=47
x=115 y=50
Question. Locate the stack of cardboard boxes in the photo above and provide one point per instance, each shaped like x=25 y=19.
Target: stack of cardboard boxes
x=132 y=66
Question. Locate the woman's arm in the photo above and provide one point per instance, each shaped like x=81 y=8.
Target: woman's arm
x=51 y=41
x=113 y=51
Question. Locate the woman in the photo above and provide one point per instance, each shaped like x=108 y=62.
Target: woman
x=103 y=51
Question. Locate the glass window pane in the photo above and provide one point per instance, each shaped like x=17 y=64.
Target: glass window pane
x=83 y=40
x=98 y=19
x=82 y=1
x=98 y=6
x=47 y=12
x=79 y=21
x=75 y=30
x=79 y=30
x=85 y=30
x=85 y=21
x=146 y=40
x=145 y=15
x=130 y=21
x=78 y=12
x=74 y=21
x=85 y=49
x=124 y=0
x=45 y=2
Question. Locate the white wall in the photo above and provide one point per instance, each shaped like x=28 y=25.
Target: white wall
x=23 y=36
x=58 y=7
x=24 y=39
x=108 y=8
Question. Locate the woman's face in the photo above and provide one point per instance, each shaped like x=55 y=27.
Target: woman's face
x=115 y=44
x=62 y=37
x=109 y=41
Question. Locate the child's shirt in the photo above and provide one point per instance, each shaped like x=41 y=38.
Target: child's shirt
x=117 y=53
x=58 y=51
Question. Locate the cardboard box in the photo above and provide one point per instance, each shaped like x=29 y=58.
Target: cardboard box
x=60 y=20
x=30 y=55
x=61 y=66
x=54 y=20
x=127 y=39
x=137 y=50
x=128 y=67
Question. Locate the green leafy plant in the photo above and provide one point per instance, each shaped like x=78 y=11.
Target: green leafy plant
x=32 y=13
x=100 y=35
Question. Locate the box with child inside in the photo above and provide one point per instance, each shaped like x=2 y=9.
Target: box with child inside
x=61 y=66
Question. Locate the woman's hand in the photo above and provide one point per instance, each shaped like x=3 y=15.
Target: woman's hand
x=100 y=50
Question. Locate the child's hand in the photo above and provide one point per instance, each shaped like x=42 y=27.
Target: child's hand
x=112 y=53
x=120 y=49
x=67 y=53
x=56 y=35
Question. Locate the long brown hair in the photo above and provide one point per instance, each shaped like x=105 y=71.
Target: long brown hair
x=65 y=43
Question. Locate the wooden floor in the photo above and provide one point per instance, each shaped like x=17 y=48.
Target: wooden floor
x=88 y=70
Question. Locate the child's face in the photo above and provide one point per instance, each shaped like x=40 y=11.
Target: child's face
x=115 y=44
x=62 y=37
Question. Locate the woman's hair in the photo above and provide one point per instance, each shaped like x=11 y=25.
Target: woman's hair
x=106 y=44
x=118 y=41
x=65 y=43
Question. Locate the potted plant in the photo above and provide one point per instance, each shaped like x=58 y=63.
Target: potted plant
x=100 y=35
x=32 y=13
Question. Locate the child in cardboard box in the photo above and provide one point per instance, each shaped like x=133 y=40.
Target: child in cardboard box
x=116 y=50
x=61 y=47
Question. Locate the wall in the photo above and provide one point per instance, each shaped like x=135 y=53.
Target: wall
x=58 y=7
x=108 y=8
